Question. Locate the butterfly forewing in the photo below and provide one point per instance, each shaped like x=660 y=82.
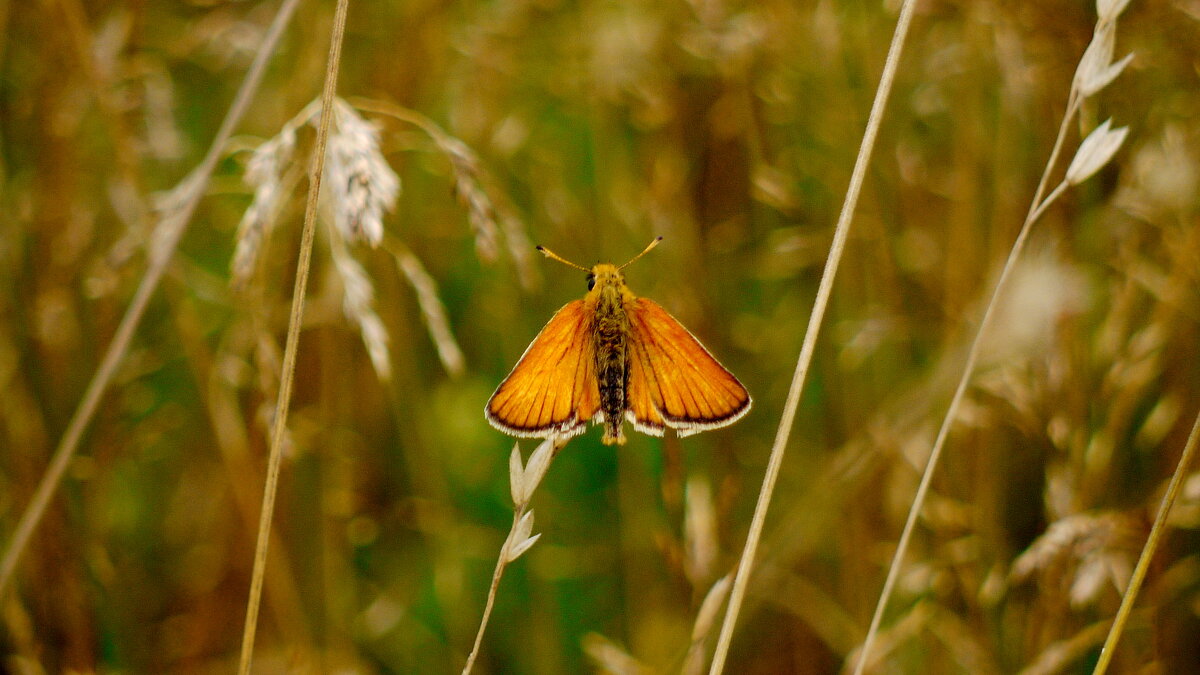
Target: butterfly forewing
x=673 y=380
x=552 y=389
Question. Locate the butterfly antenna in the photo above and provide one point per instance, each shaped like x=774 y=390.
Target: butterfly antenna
x=644 y=252
x=554 y=256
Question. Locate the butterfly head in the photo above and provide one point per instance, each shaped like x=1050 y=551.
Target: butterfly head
x=605 y=275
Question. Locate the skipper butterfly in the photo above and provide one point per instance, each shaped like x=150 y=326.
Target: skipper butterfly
x=611 y=357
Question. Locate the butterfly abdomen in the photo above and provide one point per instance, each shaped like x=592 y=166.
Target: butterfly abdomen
x=611 y=342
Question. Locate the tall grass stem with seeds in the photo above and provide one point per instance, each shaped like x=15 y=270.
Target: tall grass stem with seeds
x=1096 y=150
x=523 y=481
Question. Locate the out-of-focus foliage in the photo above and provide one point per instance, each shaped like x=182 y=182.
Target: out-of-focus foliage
x=590 y=127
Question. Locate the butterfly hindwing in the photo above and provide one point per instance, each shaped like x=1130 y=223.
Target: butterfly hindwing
x=673 y=380
x=552 y=390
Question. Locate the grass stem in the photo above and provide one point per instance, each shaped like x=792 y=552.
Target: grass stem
x=501 y=563
x=824 y=290
x=293 y=339
x=1143 y=563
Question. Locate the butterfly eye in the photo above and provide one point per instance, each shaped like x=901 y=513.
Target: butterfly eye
x=591 y=281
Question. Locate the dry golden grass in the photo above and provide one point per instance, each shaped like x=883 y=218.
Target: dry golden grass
x=731 y=130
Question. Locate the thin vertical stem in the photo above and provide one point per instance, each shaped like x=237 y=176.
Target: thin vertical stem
x=293 y=339
x=501 y=563
x=824 y=290
x=1143 y=564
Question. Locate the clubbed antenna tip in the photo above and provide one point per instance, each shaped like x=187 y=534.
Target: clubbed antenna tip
x=554 y=256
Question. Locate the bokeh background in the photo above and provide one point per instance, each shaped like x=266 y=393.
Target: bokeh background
x=730 y=129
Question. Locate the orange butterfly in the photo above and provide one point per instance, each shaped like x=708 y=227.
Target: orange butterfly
x=614 y=356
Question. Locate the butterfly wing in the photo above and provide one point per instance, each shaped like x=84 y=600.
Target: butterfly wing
x=673 y=380
x=553 y=389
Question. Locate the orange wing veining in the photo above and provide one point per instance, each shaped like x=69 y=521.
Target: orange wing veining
x=552 y=390
x=673 y=380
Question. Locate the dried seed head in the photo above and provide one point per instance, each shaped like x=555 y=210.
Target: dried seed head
x=361 y=185
x=709 y=608
x=521 y=541
x=1108 y=10
x=516 y=476
x=264 y=172
x=1096 y=68
x=359 y=305
x=1082 y=552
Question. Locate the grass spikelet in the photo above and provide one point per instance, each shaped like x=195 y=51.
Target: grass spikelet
x=1086 y=553
x=706 y=618
x=359 y=306
x=432 y=310
x=611 y=658
x=481 y=213
x=265 y=173
x=362 y=184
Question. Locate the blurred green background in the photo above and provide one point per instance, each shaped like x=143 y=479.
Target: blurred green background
x=728 y=128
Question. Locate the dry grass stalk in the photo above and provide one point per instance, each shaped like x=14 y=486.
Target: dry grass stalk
x=1143 y=563
x=824 y=290
x=523 y=481
x=166 y=239
x=1094 y=72
x=293 y=340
